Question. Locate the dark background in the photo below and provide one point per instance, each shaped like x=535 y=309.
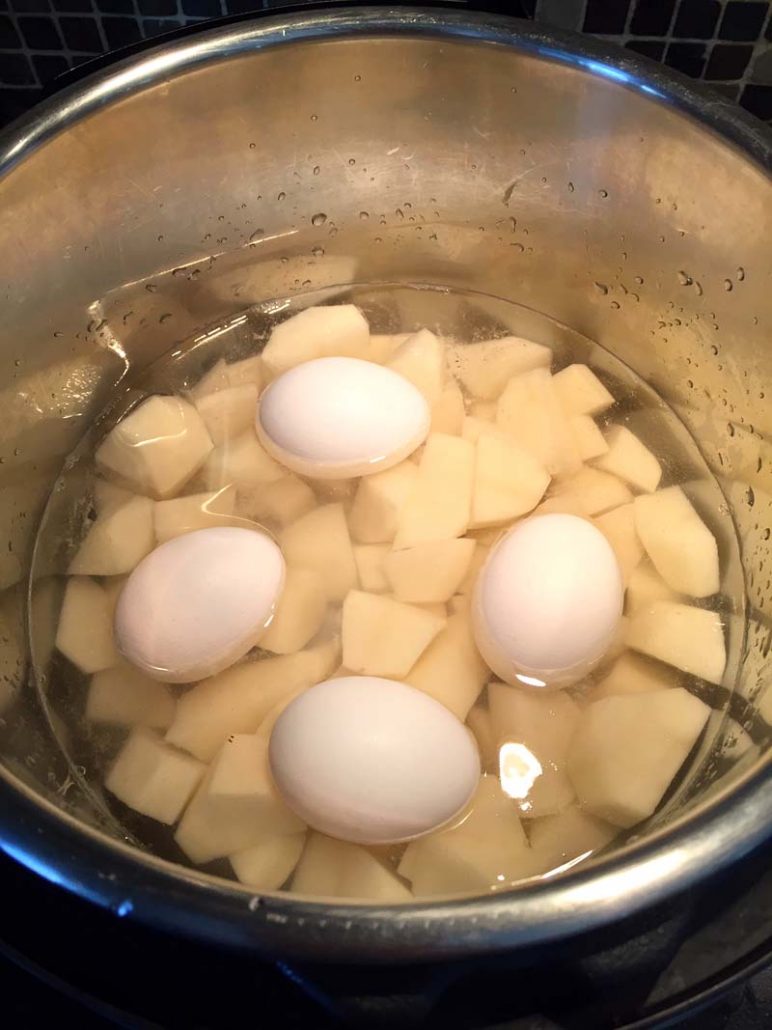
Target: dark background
x=727 y=43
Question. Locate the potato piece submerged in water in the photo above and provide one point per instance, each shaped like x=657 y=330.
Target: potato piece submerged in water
x=379 y=501
x=678 y=542
x=118 y=540
x=383 y=637
x=627 y=749
x=319 y=540
x=85 y=631
x=153 y=778
x=429 y=572
x=157 y=447
x=691 y=639
x=318 y=332
x=440 y=503
x=334 y=868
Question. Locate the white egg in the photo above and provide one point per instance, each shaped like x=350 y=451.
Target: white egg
x=336 y=418
x=199 y=602
x=372 y=761
x=548 y=601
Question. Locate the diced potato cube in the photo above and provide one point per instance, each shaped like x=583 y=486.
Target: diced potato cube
x=473 y=428
x=299 y=615
x=421 y=359
x=440 y=503
x=627 y=749
x=487 y=850
x=429 y=572
x=157 y=447
x=247 y=370
x=618 y=527
x=383 y=345
x=319 y=541
x=580 y=392
x=237 y=804
x=590 y=441
x=108 y=495
x=646 y=586
x=451 y=670
x=215 y=378
x=528 y=410
x=448 y=411
x=508 y=481
x=243 y=462
x=85 y=630
x=153 y=778
x=228 y=413
x=592 y=491
x=678 y=542
x=237 y=700
x=269 y=864
x=195 y=511
x=318 y=332
x=117 y=541
x=479 y=722
x=485 y=411
x=336 y=869
x=282 y=501
x=485 y=368
x=559 y=840
x=691 y=639
x=634 y=674
x=379 y=501
x=369 y=560
x=533 y=731
x=331 y=491
x=479 y=558
x=630 y=459
x=123 y=696
x=383 y=637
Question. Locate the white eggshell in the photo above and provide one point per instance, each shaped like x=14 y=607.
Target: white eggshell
x=199 y=602
x=336 y=418
x=372 y=761
x=548 y=601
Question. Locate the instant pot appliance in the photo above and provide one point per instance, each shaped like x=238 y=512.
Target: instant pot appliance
x=489 y=156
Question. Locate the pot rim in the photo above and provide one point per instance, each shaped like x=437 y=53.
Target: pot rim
x=116 y=875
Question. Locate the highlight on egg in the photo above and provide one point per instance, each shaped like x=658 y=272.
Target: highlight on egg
x=372 y=760
x=548 y=601
x=340 y=417
x=199 y=602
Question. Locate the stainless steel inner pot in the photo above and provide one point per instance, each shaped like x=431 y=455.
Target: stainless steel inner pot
x=489 y=156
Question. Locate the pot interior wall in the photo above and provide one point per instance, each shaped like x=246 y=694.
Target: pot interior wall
x=382 y=160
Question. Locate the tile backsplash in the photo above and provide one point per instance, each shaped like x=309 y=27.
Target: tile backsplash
x=727 y=43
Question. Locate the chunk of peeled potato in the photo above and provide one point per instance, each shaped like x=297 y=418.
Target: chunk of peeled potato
x=123 y=696
x=117 y=541
x=282 y=501
x=591 y=491
x=242 y=462
x=299 y=614
x=559 y=840
x=485 y=368
x=268 y=864
x=228 y=413
x=618 y=527
x=428 y=572
x=627 y=749
x=508 y=481
x=337 y=869
x=195 y=511
x=634 y=674
x=439 y=504
x=237 y=700
x=691 y=639
x=378 y=502
x=529 y=411
x=319 y=541
x=85 y=630
x=590 y=441
x=237 y=804
x=421 y=360
x=630 y=459
x=153 y=778
x=645 y=586
x=369 y=560
x=580 y=392
x=479 y=722
x=533 y=731
x=317 y=332
x=451 y=670
x=680 y=545
x=486 y=850
x=157 y=447
x=384 y=637
x=448 y=411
